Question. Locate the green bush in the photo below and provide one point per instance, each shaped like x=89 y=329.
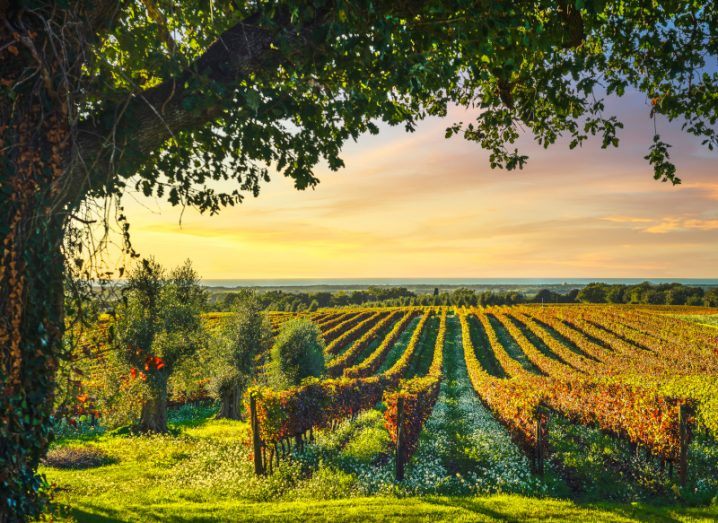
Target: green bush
x=298 y=353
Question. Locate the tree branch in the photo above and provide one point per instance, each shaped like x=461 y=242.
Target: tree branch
x=145 y=121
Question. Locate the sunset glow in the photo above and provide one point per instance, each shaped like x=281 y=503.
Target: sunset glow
x=418 y=205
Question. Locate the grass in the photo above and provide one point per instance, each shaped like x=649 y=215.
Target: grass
x=202 y=473
x=430 y=508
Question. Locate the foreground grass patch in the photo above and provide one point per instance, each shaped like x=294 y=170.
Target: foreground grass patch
x=490 y=508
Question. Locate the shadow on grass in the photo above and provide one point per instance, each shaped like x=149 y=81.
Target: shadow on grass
x=512 y=510
x=106 y=516
x=473 y=505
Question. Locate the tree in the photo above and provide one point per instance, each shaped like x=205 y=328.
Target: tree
x=158 y=325
x=170 y=97
x=246 y=335
x=616 y=294
x=593 y=293
x=547 y=296
x=298 y=353
x=710 y=298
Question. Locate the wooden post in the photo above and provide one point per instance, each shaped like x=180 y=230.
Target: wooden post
x=540 y=441
x=684 y=440
x=400 y=438
x=256 y=441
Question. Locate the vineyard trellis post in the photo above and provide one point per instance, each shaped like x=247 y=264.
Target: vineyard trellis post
x=400 y=438
x=684 y=440
x=256 y=440
x=541 y=428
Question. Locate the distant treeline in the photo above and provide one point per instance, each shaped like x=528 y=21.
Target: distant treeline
x=643 y=293
x=662 y=294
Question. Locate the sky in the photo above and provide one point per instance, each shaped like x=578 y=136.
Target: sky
x=419 y=205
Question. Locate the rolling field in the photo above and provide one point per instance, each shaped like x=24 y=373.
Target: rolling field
x=523 y=413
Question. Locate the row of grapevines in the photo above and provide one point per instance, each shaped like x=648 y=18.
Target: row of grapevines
x=335 y=320
x=619 y=357
x=291 y=412
x=334 y=337
x=634 y=413
x=574 y=359
x=548 y=366
x=513 y=403
x=370 y=365
x=418 y=395
x=349 y=331
x=669 y=339
x=349 y=356
x=401 y=364
x=510 y=366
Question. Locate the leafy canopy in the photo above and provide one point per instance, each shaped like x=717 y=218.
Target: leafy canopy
x=158 y=321
x=304 y=77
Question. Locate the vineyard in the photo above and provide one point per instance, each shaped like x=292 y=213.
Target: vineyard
x=644 y=378
x=600 y=402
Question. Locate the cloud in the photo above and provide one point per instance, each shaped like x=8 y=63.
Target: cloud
x=627 y=219
x=682 y=224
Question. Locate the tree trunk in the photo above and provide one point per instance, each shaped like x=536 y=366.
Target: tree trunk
x=231 y=402
x=154 y=409
x=34 y=153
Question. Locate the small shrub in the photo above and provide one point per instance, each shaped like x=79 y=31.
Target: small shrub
x=298 y=353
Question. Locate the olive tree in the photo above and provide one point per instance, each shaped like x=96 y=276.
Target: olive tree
x=168 y=98
x=243 y=339
x=158 y=325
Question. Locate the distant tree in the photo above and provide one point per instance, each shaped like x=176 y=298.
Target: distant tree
x=710 y=298
x=324 y=299
x=463 y=297
x=246 y=335
x=592 y=293
x=638 y=293
x=695 y=300
x=158 y=325
x=654 y=297
x=678 y=295
x=572 y=296
x=313 y=306
x=547 y=296
x=297 y=353
x=615 y=294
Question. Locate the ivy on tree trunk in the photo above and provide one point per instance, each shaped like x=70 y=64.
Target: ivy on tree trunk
x=33 y=154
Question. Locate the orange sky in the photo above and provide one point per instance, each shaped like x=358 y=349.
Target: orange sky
x=418 y=205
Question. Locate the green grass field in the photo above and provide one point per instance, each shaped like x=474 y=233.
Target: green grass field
x=157 y=479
